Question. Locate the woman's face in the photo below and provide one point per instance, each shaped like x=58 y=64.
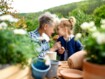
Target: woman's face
x=50 y=29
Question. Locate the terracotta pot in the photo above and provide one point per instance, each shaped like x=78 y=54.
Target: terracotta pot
x=75 y=61
x=93 y=71
x=71 y=74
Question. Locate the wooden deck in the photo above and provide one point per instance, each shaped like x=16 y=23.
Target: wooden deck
x=16 y=72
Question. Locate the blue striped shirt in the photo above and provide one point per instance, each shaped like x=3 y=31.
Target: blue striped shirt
x=41 y=46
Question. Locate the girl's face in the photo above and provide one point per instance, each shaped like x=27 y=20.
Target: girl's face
x=61 y=30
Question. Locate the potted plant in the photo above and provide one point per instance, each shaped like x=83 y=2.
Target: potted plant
x=40 y=67
x=16 y=48
x=94 y=44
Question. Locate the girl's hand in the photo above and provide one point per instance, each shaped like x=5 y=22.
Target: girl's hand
x=57 y=45
x=61 y=50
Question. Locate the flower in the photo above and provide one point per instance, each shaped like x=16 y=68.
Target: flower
x=3 y=25
x=101 y=38
x=8 y=18
x=88 y=26
x=102 y=21
x=93 y=41
x=78 y=36
x=84 y=26
x=20 y=31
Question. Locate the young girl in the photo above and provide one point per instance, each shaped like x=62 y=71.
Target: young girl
x=67 y=39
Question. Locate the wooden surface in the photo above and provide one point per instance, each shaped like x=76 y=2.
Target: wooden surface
x=16 y=72
x=62 y=65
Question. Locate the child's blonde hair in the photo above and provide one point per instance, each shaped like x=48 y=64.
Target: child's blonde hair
x=73 y=19
x=70 y=23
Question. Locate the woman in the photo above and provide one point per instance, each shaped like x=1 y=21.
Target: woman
x=47 y=23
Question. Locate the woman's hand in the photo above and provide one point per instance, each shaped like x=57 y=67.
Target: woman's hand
x=56 y=46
